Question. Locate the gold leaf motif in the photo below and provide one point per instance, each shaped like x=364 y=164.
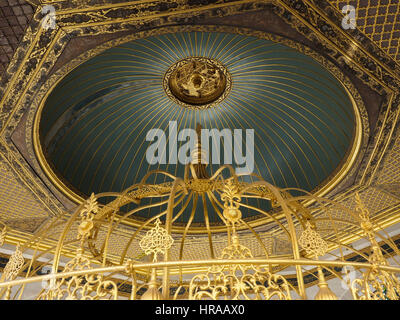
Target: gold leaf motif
x=90 y=208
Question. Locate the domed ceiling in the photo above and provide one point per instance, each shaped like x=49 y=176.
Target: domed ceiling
x=94 y=123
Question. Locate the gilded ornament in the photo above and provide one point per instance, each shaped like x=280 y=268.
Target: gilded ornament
x=80 y=287
x=376 y=284
x=231 y=198
x=14 y=265
x=197 y=82
x=238 y=281
x=87 y=214
x=324 y=293
x=157 y=240
x=312 y=242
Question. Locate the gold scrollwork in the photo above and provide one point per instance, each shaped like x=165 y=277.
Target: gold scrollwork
x=238 y=281
x=81 y=287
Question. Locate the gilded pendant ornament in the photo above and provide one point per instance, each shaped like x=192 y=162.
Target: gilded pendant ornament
x=312 y=242
x=87 y=214
x=157 y=240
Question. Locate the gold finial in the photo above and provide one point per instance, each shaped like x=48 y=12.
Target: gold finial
x=156 y=240
x=152 y=292
x=325 y=293
x=376 y=258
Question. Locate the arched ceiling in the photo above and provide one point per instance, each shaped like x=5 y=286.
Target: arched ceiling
x=94 y=123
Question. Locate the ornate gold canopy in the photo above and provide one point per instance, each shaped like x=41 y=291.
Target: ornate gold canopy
x=110 y=247
x=233 y=273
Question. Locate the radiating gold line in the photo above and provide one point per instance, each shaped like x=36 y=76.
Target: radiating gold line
x=201 y=44
x=219 y=44
x=164 y=118
x=178 y=51
x=225 y=58
x=185 y=53
x=119 y=101
x=157 y=53
x=212 y=45
x=263 y=142
x=224 y=105
x=345 y=121
x=283 y=141
x=85 y=88
x=294 y=129
x=110 y=134
x=339 y=97
x=256 y=72
x=222 y=125
x=96 y=100
x=186 y=45
x=162 y=49
x=305 y=118
x=189 y=35
x=101 y=122
x=216 y=109
x=180 y=117
x=347 y=137
x=162 y=107
x=166 y=45
x=167 y=107
x=224 y=47
x=244 y=54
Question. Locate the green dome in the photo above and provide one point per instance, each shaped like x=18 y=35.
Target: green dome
x=94 y=123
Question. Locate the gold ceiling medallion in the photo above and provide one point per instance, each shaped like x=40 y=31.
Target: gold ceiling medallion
x=197 y=82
